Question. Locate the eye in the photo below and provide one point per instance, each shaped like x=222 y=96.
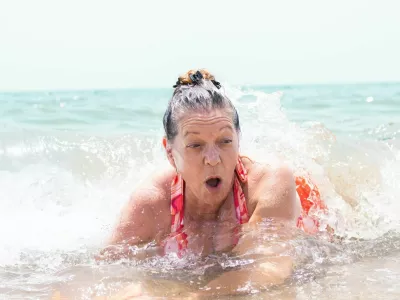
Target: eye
x=193 y=146
x=226 y=141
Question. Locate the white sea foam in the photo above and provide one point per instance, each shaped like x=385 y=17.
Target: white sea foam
x=61 y=192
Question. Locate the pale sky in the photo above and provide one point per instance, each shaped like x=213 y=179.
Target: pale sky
x=82 y=44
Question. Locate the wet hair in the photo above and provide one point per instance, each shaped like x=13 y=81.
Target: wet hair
x=195 y=91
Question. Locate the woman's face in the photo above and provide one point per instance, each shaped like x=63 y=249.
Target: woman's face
x=205 y=153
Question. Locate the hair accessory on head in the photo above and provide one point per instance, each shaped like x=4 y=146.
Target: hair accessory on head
x=178 y=83
x=216 y=83
x=196 y=77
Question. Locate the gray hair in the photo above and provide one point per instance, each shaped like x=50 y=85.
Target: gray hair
x=202 y=95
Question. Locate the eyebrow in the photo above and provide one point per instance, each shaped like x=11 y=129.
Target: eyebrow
x=196 y=132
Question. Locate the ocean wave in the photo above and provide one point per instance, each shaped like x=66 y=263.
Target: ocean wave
x=62 y=191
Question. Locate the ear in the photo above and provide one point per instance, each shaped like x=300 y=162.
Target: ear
x=168 y=151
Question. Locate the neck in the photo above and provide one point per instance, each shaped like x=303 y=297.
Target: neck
x=201 y=210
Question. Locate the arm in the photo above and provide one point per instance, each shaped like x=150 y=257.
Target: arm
x=276 y=196
x=136 y=226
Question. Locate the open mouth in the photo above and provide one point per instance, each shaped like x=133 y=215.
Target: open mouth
x=213 y=182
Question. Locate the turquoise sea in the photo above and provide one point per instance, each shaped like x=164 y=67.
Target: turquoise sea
x=70 y=159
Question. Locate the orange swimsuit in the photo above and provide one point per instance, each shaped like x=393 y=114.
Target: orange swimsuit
x=177 y=241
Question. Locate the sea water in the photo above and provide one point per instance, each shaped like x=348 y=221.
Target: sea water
x=70 y=159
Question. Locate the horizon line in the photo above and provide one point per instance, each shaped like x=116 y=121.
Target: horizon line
x=27 y=90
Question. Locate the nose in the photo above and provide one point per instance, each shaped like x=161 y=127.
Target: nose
x=211 y=156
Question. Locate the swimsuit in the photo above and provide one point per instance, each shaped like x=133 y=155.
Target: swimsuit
x=311 y=202
x=307 y=193
x=177 y=241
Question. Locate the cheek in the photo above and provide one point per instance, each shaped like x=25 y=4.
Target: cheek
x=183 y=161
x=190 y=166
x=231 y=152
x=178 y=159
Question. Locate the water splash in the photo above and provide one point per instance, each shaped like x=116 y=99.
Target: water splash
x=61 y=193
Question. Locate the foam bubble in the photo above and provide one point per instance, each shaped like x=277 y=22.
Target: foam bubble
x=64 y=192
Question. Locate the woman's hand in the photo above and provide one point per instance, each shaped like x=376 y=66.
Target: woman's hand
x=125 y=251
x=135 y=291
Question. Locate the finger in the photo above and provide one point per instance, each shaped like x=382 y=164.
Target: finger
x=133 y=291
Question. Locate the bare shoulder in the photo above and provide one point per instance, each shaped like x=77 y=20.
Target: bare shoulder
x=146 y=215
x=272 y=189
x=257 y=169
x=273 y=169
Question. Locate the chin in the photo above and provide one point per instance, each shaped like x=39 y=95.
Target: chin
x=220 y=195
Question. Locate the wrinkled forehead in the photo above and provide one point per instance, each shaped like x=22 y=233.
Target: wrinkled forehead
x=205 y=121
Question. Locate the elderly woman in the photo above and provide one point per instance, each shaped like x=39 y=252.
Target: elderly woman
x=201 y=200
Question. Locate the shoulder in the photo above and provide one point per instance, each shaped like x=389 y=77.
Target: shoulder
x=154 y=190
x=272 y=171
x=272 y=190
x=147 y=212
x=151 y=199
x=278 y=173
x=273 y=166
